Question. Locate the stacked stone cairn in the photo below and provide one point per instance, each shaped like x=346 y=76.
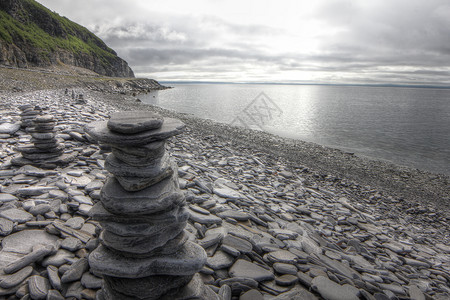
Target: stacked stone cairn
x=144 y=252
x=28 y=114
x=44 y=149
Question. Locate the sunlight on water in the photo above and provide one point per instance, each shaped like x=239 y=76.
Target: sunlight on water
x=407 y=126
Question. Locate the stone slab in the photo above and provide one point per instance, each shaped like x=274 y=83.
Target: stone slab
x=187 y=261
x=100 y=132
x=134 y=121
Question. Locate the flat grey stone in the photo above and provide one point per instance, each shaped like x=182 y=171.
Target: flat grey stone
x=243 y=268
x=237 y=243
x=38 y=287
x=83 y=199
x=75 y=271
x=74 y=290
x=187 y=261
x=130 y=122
x=228 y=193
x=204 y=219
x=151 y=287
x=53 y=277
x=219 y=260
x=75 y=222
x=330 y=290
x=139 y=155
x=99 y=213
x=24 y=241
x=6 y=226
x=286 y=280
x=17 y=278
x=415 y=293
x=196 y=289
x=9 y=128
x=156 y=198
x=149 y=228
x=35 y=190
x=282 y=256
x=297 y=293
x=99 y=131
x=141 y=244
x=40 y=209
x=38 y=253
x=4 y=198
x=237 y=215
x=283 y=268
x=58 y=259
x=90 y=281
x=16 y=215
x=72 y=244
x=54 y=295
x=251 y=295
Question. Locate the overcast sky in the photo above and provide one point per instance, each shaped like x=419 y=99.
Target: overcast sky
x=322 y=41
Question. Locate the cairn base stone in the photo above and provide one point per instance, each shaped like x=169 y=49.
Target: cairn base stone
x=148 y=288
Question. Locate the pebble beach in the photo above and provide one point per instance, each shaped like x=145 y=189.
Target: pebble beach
x=278 y=219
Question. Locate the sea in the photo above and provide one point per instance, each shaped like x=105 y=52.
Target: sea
x=407 y=126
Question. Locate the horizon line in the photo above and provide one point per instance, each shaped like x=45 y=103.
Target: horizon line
x=405 y=85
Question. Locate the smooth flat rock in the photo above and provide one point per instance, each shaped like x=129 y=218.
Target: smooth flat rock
x=204 y=219
x=297 y=293
x=156 y=198
x=16 y=215
x=15 y=279
x=9 y=128
x=141 y=244
x=187 y=261
x=243 y=268
x=196 y=289
x=100 y=132
x=134 y=121
x=251 y=295
x=282 y=256
x=152 y=169
x=75 y=271
x=237 y=243
x=149 y=228
x=139 y=155
x=234 y=214
x=330 y=290
x=152 y=287
x=4 y=198
x=228 y=193
x=38 y=287
x=99 y=213
x=24 y=241
x=6 y=226
x=219 y=260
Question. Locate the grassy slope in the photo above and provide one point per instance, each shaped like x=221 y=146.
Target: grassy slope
x=72 y=37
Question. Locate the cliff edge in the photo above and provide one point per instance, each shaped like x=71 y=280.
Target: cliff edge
x=33 y=36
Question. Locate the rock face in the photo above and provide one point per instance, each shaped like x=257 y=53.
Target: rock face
x=31 y=35
x=144 y=252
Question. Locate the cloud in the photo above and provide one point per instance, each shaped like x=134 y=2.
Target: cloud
x=326 y=40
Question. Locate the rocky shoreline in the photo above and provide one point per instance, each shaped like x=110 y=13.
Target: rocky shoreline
x=279 y=219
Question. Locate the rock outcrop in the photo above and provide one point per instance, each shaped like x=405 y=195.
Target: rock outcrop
x=33 y=36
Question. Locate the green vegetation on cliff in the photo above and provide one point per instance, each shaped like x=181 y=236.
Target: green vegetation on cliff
x=44 y=37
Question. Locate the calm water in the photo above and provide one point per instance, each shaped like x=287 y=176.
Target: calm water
x=406 y=126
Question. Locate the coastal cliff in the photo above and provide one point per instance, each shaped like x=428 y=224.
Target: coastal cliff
x=33 y=36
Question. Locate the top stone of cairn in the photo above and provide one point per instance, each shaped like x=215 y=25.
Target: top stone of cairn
x=130 y=122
